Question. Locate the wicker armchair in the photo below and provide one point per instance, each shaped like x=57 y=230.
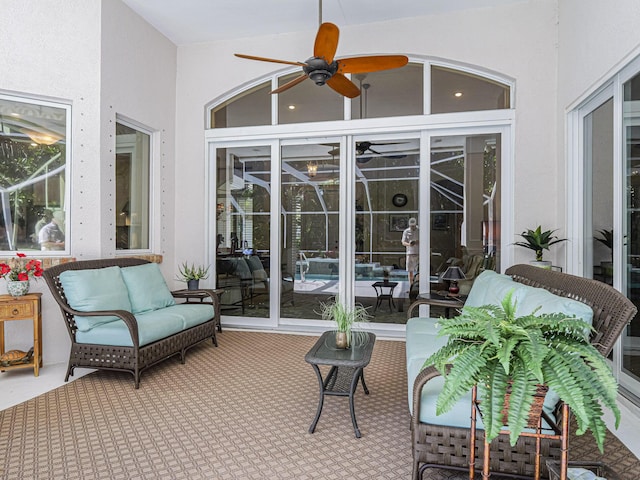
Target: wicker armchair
x=133 y=359
x=448 y=447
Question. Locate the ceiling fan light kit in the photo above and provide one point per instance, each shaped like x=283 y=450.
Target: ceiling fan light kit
x=323 y=69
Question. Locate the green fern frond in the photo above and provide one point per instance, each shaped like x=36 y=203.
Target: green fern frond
x=597 y=425
x=505 y=352
x=492 y=394
x=456 y=385
x=508 y=305
x=557 y=373
x=523 y=389
x=445 y=355
x=537 y=350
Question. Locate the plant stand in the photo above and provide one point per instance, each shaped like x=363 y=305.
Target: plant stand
x=562 y=435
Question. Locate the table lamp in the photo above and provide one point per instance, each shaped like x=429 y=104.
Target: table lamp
x=452 y=275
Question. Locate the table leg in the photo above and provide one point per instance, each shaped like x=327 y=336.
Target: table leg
x=354 y=383
x=364 y=385
x=312 y=428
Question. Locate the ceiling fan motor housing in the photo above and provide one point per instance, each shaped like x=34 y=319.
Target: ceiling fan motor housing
x=319 y=70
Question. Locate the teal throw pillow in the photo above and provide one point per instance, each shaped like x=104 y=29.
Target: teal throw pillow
x=94 y=290
x=147 y=288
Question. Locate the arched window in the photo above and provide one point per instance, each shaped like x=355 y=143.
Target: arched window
x=389 y=93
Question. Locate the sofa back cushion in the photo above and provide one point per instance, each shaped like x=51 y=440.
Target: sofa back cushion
x=147 y=289
x=94 y=290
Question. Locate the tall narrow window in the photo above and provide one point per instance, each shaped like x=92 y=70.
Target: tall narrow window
x=33 y=159
x=133 y=153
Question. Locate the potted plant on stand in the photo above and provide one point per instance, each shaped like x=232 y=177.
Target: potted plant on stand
x=538 y=241
x=192 y=274
x=17 y=272
x=344 y=317
x=508 y=357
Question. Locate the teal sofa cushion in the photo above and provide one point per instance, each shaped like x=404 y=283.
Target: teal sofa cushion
x=490 y=288
x=152 y=326
x=147 y=289
x=95 y=290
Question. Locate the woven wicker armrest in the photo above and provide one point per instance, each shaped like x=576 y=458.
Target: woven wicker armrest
x=127 y=317
x=426 y=374
x=416 y=304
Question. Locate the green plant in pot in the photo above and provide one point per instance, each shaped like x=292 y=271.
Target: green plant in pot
x=539 y=241
x=502 y=353
x=344 y=317
x=192 y=274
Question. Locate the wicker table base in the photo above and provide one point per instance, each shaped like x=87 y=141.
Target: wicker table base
x=347 y=370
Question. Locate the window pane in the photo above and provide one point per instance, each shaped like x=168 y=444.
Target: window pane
x=465 y=207
x=243 y=229
x=387 y=196
x=251 y=107
x=457 y=91
x=310 y=102
x=310 y=227
x=389 y=93
x=32 y=174
x=598 y=147
x=631 y=234
x=132 y=188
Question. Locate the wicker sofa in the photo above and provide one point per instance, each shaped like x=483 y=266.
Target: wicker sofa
x=443 y=441
x=120 y=315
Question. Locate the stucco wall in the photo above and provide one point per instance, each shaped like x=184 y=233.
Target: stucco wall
x=102 y=59
x=51 y=48
x=519 y=41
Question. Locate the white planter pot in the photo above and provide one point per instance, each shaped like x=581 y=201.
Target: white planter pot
x=542 y=264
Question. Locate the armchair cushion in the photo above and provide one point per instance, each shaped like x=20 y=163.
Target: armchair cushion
x=94 y=290
x=147 y=289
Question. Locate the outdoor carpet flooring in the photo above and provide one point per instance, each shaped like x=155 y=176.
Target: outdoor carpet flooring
x=239 y=411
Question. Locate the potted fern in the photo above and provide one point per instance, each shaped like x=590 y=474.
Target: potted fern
x=491 y=347
x=539 y=241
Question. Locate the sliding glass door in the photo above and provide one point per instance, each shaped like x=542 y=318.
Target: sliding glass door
x=301 y=221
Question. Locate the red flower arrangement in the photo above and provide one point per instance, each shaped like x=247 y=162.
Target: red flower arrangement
x=20 y=269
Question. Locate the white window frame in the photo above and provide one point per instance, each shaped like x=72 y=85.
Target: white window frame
x=66 y=106
x=153 y=193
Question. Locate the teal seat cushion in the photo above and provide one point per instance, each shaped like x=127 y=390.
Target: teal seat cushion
x=152 y=326
x=422 y=340
x=147 y=289
x=94 y=290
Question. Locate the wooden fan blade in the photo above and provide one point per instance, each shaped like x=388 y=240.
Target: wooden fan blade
x=326 y=42
x=343 y=86
x=371 y=64
x=290 y=84
x=273 y=60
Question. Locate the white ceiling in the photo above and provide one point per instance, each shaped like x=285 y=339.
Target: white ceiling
x=197 y=21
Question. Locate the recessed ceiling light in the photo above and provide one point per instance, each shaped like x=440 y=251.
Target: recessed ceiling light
x=292 y=107
x=457 y=94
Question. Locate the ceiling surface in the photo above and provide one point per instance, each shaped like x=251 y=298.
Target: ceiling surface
x=197 y=21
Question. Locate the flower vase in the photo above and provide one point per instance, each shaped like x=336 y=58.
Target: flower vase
x=17 y=288
x=342 y=339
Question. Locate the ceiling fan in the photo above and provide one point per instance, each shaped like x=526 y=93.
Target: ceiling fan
x=323 y=68
x=364 y=152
